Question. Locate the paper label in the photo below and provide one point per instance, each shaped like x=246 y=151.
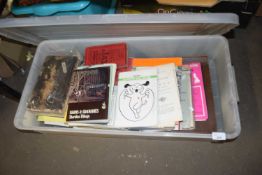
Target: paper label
x=64 y=67
x=218 y=136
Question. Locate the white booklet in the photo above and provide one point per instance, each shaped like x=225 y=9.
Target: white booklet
x=169 y=107
x=136 y=104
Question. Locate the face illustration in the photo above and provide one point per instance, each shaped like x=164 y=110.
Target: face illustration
x=136 y=88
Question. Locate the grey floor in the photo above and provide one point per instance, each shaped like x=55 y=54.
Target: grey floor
x=28 y=153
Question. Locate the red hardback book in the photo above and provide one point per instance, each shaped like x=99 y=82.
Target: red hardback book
x=111 y=53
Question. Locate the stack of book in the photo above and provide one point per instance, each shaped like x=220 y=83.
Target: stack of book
x=114 y=91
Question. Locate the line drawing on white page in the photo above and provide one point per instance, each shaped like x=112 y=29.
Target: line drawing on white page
x=136 y=101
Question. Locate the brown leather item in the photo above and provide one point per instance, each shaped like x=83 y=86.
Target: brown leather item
x=209 y=125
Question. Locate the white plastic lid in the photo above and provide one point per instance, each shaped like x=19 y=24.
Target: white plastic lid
x=33 y=30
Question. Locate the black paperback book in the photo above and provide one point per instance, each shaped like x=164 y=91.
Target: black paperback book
x=89 y=95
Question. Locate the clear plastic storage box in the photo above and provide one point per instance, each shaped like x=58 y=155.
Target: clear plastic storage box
x=150 y=35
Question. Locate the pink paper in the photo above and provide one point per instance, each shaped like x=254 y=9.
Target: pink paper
x=198 y=92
